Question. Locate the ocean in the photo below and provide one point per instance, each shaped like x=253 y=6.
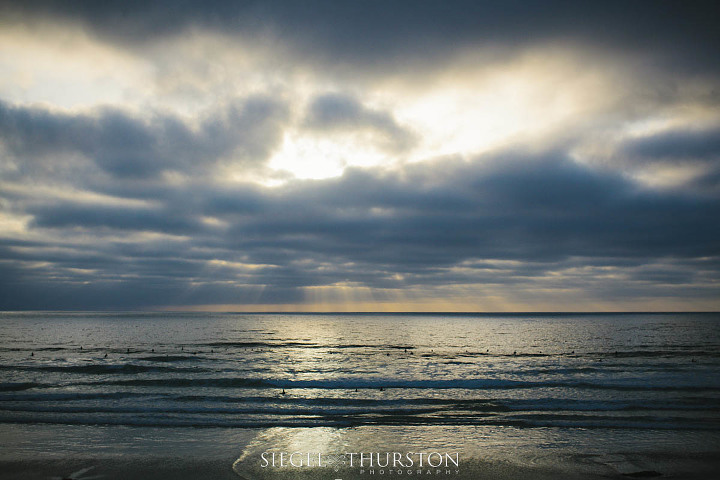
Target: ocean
x=206 y=395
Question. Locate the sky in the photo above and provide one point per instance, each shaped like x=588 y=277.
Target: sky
x=360 y=156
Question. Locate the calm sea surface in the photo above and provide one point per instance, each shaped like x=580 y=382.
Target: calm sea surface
x=631 y=378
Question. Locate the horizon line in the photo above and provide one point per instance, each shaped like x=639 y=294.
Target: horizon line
x=389 y=312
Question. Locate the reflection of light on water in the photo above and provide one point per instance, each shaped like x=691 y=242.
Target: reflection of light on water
x=499 y=448
x=322 y=440
x=473 y=445
x=314 y=440
x=79 y=475
x=307 y=363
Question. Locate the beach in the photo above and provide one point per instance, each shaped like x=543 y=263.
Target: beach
x=194 y=396
x=120 y=452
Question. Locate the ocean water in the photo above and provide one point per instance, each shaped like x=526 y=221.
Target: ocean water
x=524 y=390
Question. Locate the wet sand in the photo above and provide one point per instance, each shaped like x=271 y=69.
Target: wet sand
x=171 y=468
x=577 y=467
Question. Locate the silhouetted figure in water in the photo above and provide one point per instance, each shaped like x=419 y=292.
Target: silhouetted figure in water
x=80 y=347
x=356 y=390
x=515 y=353
x=182 y=348
x=105 y=356
x=153 y=350
x=32 y=354
x=381 y=389
x=283 y=392
x=128 y=351
x=573 y=352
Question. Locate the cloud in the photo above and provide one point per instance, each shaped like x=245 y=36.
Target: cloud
x=685 y=157
x=375 y=32
x=513 y=218
x=519 y=207
x=677 y=144
x=94 y=216
x=344 y=113
x=126 y=145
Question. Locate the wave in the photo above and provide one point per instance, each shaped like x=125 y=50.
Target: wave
x=300 y=406
x=65 y=397
x=17 y=386
x=105 y=369
x=169 y=358
x=349 y=419
x=384 y=383
x=254 y=410
x=657 y=353
x=294 y=344
x=286 y=403
x=449 y=353
x=257 y=344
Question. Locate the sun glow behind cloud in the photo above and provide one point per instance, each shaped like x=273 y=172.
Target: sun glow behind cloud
x=476 y=109
x=65 y=68
x=308 y=156
x=468 y=111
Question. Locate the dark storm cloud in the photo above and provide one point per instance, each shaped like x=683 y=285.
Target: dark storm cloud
x=689 y=144
x=531 y=209
x=368 y=32
x=131 y=146
x=708 y=182
x=680 y=147
x=336 y=112
x=92 y=216
x=545 y=211
x=443 y=223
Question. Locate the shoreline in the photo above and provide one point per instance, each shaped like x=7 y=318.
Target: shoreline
x=45 y=452
x=660 y=465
